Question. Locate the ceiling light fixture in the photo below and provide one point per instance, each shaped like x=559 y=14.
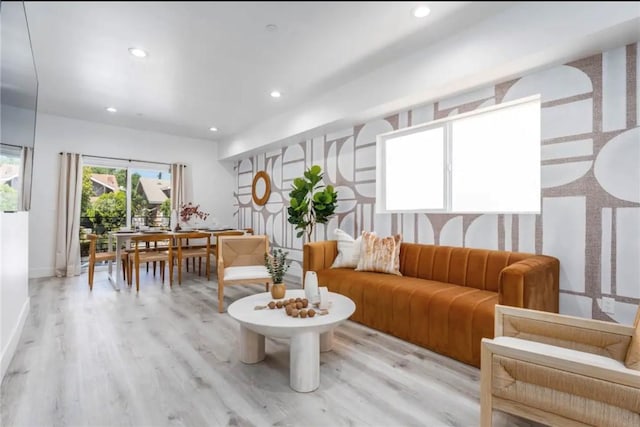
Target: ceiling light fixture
x=421 y=11
x=112 y=109
x=271 y=27
x=213 y=129
x=275 y=94
x=137 y=52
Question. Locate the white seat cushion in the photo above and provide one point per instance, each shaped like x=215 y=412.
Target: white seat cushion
x=246 y=272
x=562 y=353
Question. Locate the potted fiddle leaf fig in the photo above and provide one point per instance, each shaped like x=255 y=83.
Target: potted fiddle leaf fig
x=311 y=202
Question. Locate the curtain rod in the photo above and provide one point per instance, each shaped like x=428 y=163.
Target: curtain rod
x=126 y=160
x=13 y=145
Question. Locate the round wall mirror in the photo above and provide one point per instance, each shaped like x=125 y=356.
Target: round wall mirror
x=261 y=188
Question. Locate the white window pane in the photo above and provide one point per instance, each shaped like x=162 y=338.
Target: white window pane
x=496 y=161
x=414 y=170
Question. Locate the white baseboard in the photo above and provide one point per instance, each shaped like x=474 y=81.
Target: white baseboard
x=14 y=339
x=36 y=273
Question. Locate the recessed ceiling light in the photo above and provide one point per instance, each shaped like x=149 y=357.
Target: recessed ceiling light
x=213 y=129
x=271 y=27
x=275 y=94
x=421 y=11
x=137 y=52
x=112 y=109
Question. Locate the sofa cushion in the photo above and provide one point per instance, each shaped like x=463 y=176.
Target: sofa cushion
x=380 y=254
x=348 y=250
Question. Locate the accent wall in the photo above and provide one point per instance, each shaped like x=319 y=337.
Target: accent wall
x=590 y=176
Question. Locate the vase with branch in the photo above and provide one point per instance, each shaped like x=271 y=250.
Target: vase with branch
x=277 y=265
x=190 y=212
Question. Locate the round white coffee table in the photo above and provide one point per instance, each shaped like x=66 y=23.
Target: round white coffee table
x=308 y=336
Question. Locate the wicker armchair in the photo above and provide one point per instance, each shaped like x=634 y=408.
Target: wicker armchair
x=241 y=262
x=559 y=370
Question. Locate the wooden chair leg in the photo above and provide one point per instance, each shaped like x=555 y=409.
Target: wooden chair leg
x=91 y=269
x=220 y=296
x=137 y=277
x=199 y=266
x=161 y=272
x=170 y=273
x=180 y=270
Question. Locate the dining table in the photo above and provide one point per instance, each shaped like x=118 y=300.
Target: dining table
x=123 y=237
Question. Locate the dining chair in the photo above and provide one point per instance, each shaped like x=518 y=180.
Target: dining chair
x=163 y=253
x=240 y=261
x=191 y=250
x=95 y=257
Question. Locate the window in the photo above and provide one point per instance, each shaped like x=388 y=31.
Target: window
x=486 y=161
x=116 y=194
x=10 y=182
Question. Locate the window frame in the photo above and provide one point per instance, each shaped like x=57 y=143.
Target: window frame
x=446 y=124
x=130 y=167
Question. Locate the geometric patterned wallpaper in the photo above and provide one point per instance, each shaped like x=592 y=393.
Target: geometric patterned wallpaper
x=590 y=176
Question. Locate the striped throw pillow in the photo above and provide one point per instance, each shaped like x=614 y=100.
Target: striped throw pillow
x=380 y=254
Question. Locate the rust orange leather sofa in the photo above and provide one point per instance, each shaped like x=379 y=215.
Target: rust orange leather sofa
x=445 y=298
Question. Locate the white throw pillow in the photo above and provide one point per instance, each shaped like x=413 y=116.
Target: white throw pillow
x=348 y=250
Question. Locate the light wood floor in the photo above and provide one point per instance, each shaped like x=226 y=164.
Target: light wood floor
x=166 y=357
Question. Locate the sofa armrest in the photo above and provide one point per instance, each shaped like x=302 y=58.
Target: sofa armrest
x=318 y=255
x=531 y=283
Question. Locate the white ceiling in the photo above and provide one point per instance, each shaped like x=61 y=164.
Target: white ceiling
x=214 y=63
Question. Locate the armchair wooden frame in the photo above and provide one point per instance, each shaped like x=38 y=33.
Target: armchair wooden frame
x=579 y=379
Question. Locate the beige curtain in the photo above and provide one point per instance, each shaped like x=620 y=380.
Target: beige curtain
x=26 y=160
x=68 y=225
x=177 y=186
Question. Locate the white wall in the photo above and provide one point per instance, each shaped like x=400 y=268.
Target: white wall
x=212 y=182
x=17 y=126
x=14 y=282
x=524 y=37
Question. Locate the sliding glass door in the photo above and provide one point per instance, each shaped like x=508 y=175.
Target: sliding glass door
x=116 y=197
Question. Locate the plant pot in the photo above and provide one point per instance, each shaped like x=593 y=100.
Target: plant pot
x=278 y=290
